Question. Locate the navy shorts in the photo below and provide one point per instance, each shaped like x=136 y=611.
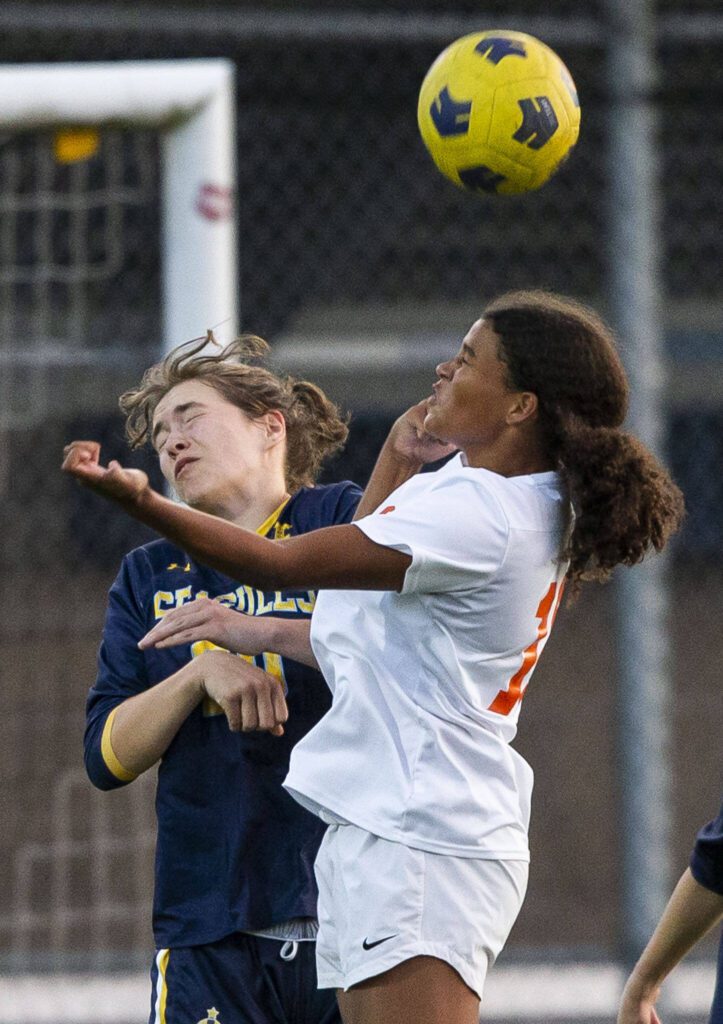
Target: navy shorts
x=242 y=979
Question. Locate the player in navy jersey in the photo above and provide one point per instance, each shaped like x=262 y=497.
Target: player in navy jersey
x=694 y=908
x=436 y=605
x=235 y=897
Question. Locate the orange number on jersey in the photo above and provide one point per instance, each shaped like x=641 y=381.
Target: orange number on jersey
x=546 y=612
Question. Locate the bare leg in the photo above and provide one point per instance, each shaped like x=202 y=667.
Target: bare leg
x=422 y=990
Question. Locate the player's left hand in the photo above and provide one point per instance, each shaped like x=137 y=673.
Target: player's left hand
x=82 y=460
x=409 y=440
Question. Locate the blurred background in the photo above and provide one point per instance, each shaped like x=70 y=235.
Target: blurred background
x=363 y=267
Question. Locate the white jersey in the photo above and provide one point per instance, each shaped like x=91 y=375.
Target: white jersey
x=427 y=682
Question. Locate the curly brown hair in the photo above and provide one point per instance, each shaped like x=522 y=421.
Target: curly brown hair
x=624 y=501
x=315 y=428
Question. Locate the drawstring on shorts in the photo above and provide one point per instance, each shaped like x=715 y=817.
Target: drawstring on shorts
x=289 y=950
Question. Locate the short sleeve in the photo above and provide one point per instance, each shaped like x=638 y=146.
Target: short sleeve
x=453 y=527
x=706 y=862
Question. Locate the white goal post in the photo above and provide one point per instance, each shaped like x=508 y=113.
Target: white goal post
x=191 y=102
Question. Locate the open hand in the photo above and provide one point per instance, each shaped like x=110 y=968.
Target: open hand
x=206 y=619
x=82 y=460
x=410 y=441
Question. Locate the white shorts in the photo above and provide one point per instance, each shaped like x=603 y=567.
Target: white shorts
x=381 y=903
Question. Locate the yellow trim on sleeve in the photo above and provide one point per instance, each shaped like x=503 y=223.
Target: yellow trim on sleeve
x=108 y=754
x=268 y=523
x=161 y=994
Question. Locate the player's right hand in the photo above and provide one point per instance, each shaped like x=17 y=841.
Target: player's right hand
x=251 y=699
x=410 y=441
x=207 y=619
x=82 y=460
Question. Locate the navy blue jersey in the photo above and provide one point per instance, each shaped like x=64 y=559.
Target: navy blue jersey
x=706 y=863
x=235 y=851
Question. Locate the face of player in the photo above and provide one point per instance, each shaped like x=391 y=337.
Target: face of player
x=472 y=406
x=210 y=451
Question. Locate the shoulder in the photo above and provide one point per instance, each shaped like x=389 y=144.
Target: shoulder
x=529 y=503
x=537 y=503
x=450 y=523
x=155 y=557
x=451 y=506
x=459 y=490
x=325 y=505
x=150 y=566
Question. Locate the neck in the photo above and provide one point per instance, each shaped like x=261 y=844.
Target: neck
x=509 y=459
x=247 y=510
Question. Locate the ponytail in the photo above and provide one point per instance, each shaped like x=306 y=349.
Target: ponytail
x=624 y=502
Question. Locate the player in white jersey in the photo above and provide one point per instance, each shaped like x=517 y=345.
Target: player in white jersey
x=440 y=599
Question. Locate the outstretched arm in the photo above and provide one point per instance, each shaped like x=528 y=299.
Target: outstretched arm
x=336 y=557
x=691 y=912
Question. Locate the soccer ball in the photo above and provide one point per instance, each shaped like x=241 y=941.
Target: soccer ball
x=498 y=112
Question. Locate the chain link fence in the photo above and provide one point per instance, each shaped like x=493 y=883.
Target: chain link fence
x=362 y=266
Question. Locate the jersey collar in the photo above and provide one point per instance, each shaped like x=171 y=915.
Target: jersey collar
x=272 y=519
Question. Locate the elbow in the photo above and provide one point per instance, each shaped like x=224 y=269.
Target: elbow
x=106 y=785
x=94 y=775
x=101 y=767
x=99 y=775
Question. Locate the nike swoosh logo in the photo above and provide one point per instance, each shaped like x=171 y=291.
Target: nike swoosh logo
x=377 y=942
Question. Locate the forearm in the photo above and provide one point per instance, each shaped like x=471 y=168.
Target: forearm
x=691 y=912
x=390 y=471
x=212 y=541
x=335 y=557
x=144 y=726
x=338 y=557
x=287 y=637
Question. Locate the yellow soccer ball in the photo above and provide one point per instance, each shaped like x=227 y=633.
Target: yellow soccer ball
x=498 y=112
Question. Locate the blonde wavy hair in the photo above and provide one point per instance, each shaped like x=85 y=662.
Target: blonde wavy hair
x=315 y=428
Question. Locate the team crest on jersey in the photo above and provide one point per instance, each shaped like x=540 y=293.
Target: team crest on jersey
x=281 y=530
x=389 y=508
x=175 y=565
x=211 y=1018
